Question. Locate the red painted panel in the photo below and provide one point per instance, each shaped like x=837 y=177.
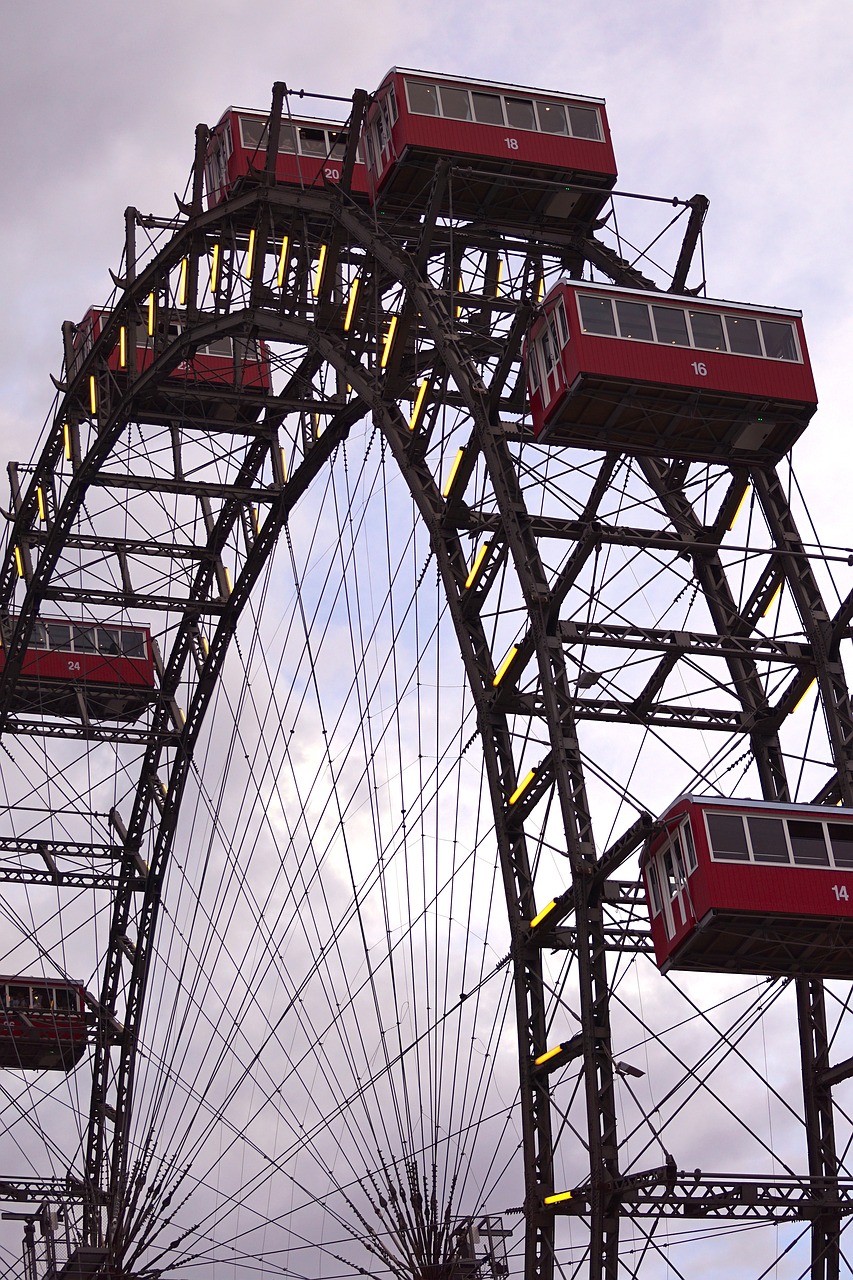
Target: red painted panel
x=96 y=668
x=462 y=137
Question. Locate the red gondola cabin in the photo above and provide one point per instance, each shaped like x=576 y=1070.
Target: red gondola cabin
x=747 y=886
x=520 y=155
x=83 y=669
x=660 y=374
x=310 y=153
x=42 y=1024
x=210 y=364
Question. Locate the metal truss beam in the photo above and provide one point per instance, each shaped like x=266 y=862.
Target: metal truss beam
x=94 y=731
x=120 y=599
x=684 y=1195
x=23 y=1190
x=695 y=643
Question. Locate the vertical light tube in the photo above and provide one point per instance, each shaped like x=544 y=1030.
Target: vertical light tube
x=318 y=274
x=214 y=268
x=353 y=294
x=282 y=261
x=416 y=408
x=389 y=339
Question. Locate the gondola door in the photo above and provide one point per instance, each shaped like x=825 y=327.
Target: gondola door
x=673 y=870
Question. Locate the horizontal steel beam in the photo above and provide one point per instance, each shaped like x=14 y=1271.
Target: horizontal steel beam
x=95 y=731
x=186 y=488
x=662 y=716
x=696 y=643
x=34 y=1190
x=62 y=879
x=127 y=546
x=119 y=599
x=687 y=1195
x=59 y=848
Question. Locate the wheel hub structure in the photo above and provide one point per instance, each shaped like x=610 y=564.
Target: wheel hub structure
x=369 y=976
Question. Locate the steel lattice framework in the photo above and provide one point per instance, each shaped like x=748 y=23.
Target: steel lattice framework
x=278 y=264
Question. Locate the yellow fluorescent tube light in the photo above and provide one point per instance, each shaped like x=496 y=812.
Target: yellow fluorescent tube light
x=283 y=463
x=19 y=562
x=546 y=911
x=500 y=277
x=93 y=393
x=389 y=338
x=540 y=292
x=772 y=600
x=41 y=503
x=66 y=437
x=282 y=261
x=559 y=1197
x=318 y=274
x=522 y=787
x=122 y=347
x=505 y=666
x=214 y=269
x=416 y=407
x=182 y=283
x=250 y=255
x=803 y=695
x=546 y=1057
x=151 y=306
x=448 y=484
x=739 y=508
x=353 y=294
x=477 y=565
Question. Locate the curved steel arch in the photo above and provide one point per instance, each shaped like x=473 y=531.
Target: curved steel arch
x=608 y=1193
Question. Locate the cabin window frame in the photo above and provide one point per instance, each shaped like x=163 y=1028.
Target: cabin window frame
x=137 y=652
x=518 y=95
x=71 y=1005
x=752 y=861
x=292 y=128
x=691 y=345
x=562 y=322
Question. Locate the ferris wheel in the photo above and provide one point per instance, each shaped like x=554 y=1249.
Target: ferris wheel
x=427 y=745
